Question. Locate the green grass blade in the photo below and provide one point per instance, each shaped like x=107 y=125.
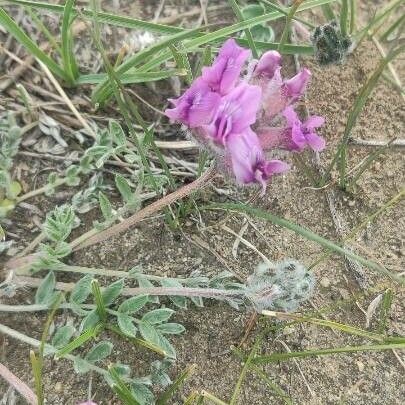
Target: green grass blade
x=367 y=163
x=352 y=330
x=344 y=17
x=353 y=15
x=384 y=36
x=363 y=224
x=120 y=388
x=277 y=390
x=165 y=397
x=68 y=58
x=357 y=108
x=287 y=26
x=10 y=25
x=80 y=340
x=283 y=11
x=107 y=18
x=248 y=34
x=378 y=18
x=182 y=61
x=36 y=365
x=130 y=78
x=322 y=352
x=104 y=89
x=98 y=299
x=386 y=304
x=307 y=234
x=41 y=26
x=101 y=93
x=129 y=22
x=328 y=12
x=242 y=375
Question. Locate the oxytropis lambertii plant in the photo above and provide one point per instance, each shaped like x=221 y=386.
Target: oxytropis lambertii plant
x=240 y=116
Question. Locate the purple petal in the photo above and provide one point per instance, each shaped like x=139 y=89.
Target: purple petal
x=314 y=121
x=225 y=71
x=242 y=104
x=196 y=107
x=245 y=152
x=202 y=112
x=275 y=167
x=237 y=111
x=316 y=142
x=88 y=403
x=268 y=64
x=296 y=85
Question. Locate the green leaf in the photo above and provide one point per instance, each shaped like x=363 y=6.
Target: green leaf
x=124 y=188
x=99 y=352
x=45 y=293
x=252 y=10
x=150 y=334
x=105 y=206
x=81 y=366
x=170 y=328
x=145 y=283
x=158 y=315
x=117 y=133
x=6 y=206
x=142 y=394
x=111 y=292
x=14 y=190
x=81 y=290
x=62 y=249
x=126 y=325
x=179 y=301
x=63 y=336
x=59 y=223
x=90 y=320
x=133 y=304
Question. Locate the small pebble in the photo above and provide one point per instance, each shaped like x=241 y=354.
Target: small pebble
x=360 y=366
x=325 y=282
x=58 y=387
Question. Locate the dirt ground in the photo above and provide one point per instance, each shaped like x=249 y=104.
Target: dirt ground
x=368 y=378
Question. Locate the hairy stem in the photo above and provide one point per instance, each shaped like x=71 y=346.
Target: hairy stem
x=92 y=237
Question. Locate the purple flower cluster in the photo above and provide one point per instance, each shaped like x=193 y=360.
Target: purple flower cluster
x=239 y=119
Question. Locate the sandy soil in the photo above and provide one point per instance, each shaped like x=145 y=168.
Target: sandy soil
x=369 y=378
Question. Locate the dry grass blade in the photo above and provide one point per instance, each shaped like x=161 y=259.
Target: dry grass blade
x=18 y=385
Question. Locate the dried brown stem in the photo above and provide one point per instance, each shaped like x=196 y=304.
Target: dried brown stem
x=91 y=238
x=18 y=385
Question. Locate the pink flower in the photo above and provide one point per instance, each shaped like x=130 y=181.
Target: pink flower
x=267 y=65
x=296 y=86
x=225 y=71
x=87 y=403
x=196 y=107
x=248 y=161
x=278 y=94
x=299 y=135
x=238 y=119
x=237 y=111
